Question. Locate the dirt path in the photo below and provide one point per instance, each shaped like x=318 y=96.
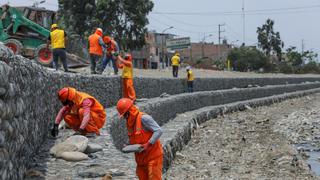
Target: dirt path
x=254 y=144
x=197 y=72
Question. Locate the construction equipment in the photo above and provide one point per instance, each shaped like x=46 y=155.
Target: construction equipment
x=24 y=36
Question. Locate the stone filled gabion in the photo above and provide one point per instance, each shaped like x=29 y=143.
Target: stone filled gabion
x=28 y=102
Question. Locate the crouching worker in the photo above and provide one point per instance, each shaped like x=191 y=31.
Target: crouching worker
x=144 y=130
x=81 y=112
x=127 y=76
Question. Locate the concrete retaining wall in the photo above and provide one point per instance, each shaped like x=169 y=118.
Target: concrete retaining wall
x=28 y=102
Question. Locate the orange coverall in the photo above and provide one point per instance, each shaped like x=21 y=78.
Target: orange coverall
x=86 y=113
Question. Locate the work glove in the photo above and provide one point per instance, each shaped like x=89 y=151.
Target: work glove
x=146 y=147
x=115 y=54
x=55 y=130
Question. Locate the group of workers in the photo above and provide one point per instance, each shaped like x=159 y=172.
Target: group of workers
x=86 y=115
x=102 y=50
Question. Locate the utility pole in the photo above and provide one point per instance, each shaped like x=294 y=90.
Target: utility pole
x=202 y=44
x=220 y=31
x=302 y=46
x=162 y=45
x=244 y=23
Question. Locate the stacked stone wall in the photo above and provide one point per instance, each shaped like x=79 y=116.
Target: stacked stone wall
x=28 y=102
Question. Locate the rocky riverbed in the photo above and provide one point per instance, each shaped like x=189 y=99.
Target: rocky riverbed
x=276 y=142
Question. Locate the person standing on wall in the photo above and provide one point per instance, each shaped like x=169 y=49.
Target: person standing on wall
x=58 y=38
x=96 y=49
x=190 y=79
x=175 y=62
x=112 y=47
x=82 y=112
x=143 y=130
x=127 y=76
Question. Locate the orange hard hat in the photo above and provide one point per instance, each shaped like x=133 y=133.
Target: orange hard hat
x=106 y=39
x=99 y=31
x=124 y=105
x=66 y=93
x=128 y=57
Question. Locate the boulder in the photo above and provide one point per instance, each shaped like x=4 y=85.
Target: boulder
x=93 y=171
x=81 y=142
x=74 y=156
x=92 y=148
x=58 y=149
x=76 y=143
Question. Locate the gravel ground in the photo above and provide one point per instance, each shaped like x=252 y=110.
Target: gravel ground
x=197 y=72
x=262 y=143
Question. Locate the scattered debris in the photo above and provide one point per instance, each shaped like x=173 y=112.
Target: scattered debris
x=164 y=95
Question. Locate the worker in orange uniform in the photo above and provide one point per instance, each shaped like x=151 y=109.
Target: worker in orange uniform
x=144 y=130
x=82 y=112
x=58 y=38
x=190 y=79
x=96 y=49
x=175 y=62
x=112 y=47
x=127 y=76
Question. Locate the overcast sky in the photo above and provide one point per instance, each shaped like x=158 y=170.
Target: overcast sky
x=294 y=19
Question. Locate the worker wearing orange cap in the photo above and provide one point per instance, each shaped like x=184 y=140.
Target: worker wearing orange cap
x=112 y=48
x=82 y=112
x=127 y=76
x=96 y=48
x=144 y=130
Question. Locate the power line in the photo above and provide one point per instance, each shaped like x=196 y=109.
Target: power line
x=247 y=12
x=180 y=29
x=186 y=23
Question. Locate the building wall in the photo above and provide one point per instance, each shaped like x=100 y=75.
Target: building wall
x=152 y=51
x=208 y=50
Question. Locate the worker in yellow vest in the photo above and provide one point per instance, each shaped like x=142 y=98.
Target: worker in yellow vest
x=58 y=38
x=175 y=62
x=190 y=79
x=127 y=76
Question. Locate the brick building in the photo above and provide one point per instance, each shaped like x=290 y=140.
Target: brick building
x=150 y=56
x=206 y=50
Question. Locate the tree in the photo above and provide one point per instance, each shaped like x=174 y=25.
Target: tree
x=245 y=58
x=297 y=62
x=269 y=40
x=294 y=57
x=125 y=20
x=77 y=15
x=298 y=59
